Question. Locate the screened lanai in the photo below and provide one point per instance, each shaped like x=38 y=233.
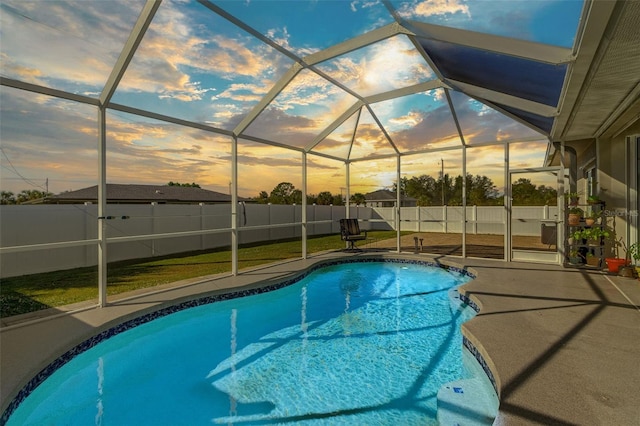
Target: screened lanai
x=326 y=96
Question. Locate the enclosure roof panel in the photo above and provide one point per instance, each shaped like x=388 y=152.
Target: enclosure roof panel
x=305 y=27
x=344 y=80
x=482 y=123
x=70 y=46
x=420 y=121
x=390 y=64
x=524 y=78
x=552 y=22
x=195 y=65
x=306 y=106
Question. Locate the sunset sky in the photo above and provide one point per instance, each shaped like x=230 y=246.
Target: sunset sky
x=197 y=66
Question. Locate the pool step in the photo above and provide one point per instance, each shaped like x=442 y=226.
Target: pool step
x=465 y=403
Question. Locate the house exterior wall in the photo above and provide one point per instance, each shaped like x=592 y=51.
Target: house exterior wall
x=614 y=178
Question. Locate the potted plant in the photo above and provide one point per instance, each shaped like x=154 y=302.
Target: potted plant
x=614 y=263
x=575 y=214
x=592 y=259
x=575 y=258
x=593 y=199
x=633 y=252
x=592 y=217
x=572 y=197
x=591 y=235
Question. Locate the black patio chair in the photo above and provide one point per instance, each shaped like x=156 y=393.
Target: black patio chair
x=350 y=232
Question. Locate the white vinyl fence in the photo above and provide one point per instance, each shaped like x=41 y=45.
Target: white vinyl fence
x=525 y=220
x=147 y=230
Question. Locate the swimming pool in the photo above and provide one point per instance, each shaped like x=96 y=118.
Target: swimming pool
x=351 y=343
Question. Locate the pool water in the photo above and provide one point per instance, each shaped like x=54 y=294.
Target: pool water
x=354 y=343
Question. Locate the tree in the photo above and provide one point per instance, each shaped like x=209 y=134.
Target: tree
x=30 y=194
x=430 y=192
x=480 y=191
x=7 y=197
x=526 y=193
x=286 y=193
x=358 y=199
x=447 y=188
x=325 y=198
x=423 y=189
x=263 y=198
x=283 y=194
x=548 y=195
x=296 y=197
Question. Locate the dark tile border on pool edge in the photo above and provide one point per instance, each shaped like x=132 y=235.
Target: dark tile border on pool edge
x=98 y=338
x=483 y=363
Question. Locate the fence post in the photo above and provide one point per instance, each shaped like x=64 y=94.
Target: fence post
x=474 y=217
x=201 y=225
x=444 y=218
x=153 y=227
x=87 y=232
x=270 y=221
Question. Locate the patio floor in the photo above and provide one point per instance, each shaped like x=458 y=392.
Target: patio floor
x=563 y=343
x=487 y=246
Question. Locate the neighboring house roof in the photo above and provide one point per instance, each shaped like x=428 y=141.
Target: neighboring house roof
x=119 y=193
x=385 y=195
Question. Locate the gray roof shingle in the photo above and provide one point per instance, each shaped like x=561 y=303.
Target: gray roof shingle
x=132 y=193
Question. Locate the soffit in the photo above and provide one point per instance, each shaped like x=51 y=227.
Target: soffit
x=611 y=88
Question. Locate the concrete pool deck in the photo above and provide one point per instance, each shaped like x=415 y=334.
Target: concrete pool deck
x=564 y=343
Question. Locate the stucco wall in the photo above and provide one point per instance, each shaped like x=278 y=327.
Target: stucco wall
x=613 y=180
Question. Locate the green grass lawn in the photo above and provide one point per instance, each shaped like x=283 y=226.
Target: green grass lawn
x=29 y=293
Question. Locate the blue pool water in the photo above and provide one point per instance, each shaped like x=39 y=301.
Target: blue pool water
x=355 y=343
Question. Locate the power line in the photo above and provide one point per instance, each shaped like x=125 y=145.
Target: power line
x=14 y=170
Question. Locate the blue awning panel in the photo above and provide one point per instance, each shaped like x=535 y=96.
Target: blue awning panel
x=523 y=78
x=538 y=121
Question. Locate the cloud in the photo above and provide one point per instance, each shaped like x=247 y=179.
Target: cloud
x=307 y=88
x=389 y=64
x=413 y=118
x=77 y=46
x=287 y=129
x=40 y=148
x=415 y=123
x=282 y=37
x=137 y=151
x=180 y=60
x=440 y=7
x=519 y=19
x=481 y=123
x=302 y=110
x=243 y=92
